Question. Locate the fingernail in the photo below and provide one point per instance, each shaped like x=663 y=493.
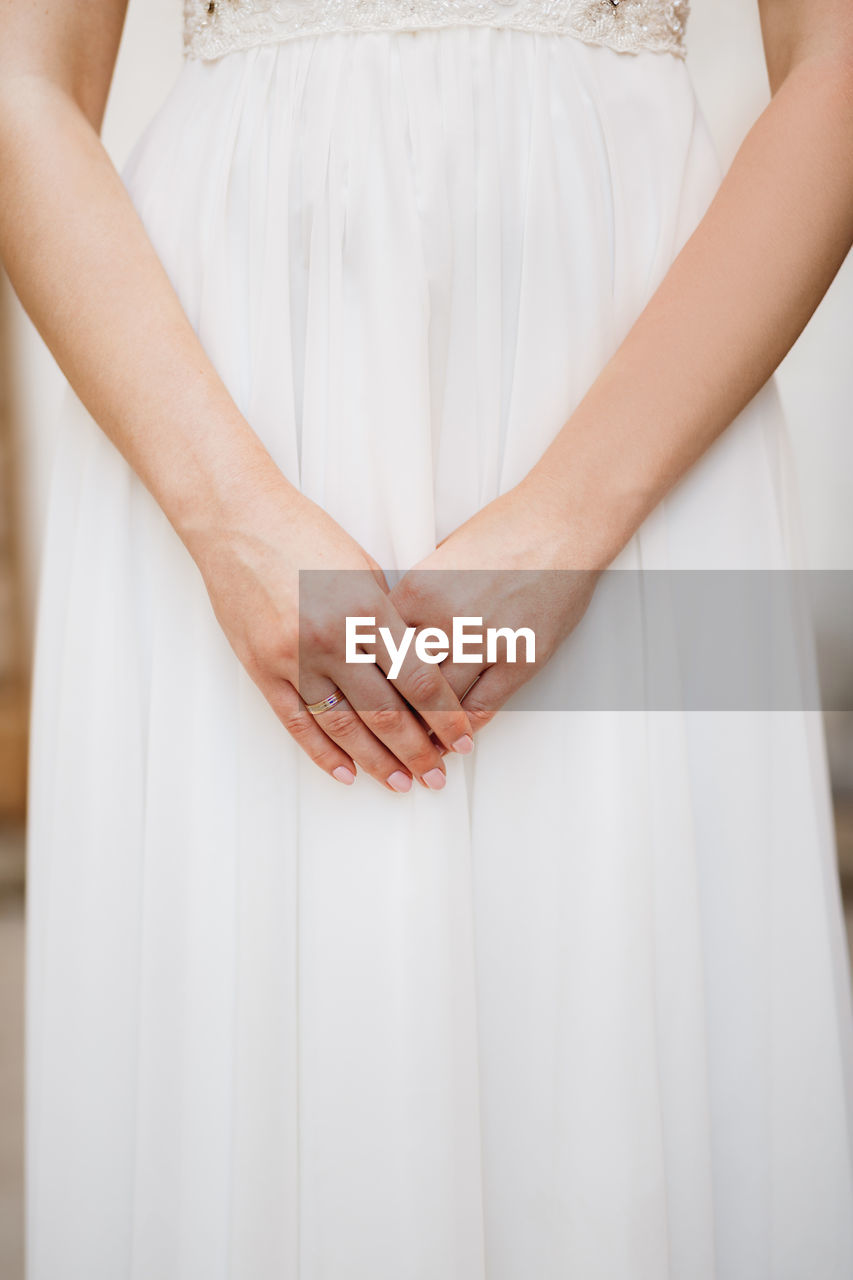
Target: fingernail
x=344 y=775
x=435 y=779
x=400 y=781
x=464 y=744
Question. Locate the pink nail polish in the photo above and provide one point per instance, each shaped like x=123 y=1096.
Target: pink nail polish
x=344 y=775
x=400 y=781
x=435 y=779
x=464 y=745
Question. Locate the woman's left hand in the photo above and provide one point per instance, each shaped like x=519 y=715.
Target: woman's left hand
x=516 y=563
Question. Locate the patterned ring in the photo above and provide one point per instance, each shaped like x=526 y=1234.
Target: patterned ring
x=325 y=704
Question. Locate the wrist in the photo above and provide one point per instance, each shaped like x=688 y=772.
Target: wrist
x=590 y=519
x=598 y=483
x=218 y=491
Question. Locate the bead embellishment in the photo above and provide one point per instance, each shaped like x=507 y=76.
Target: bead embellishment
x=216 y=27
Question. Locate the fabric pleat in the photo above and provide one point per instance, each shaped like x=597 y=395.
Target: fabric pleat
x=587 y=1011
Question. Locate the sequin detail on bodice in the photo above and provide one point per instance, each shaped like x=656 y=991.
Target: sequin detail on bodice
x=216 y=27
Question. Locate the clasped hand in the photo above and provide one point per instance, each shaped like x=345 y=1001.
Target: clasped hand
x=250 y=557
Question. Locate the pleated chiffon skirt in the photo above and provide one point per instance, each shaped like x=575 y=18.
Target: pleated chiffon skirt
x=584 y=1013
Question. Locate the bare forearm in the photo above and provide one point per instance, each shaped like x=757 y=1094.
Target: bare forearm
x=81 y=262
x=732 y=304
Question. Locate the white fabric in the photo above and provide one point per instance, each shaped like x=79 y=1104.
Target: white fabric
x=587 y=1011
x=215 y=27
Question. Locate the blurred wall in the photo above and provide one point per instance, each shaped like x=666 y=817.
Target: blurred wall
x=816 y=379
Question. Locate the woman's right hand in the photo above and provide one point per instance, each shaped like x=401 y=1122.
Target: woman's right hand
x=250 y=556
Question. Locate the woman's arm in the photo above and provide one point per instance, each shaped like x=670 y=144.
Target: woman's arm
x=85 y=270
x=729 y=308
x=735 y=298
x=81 y=262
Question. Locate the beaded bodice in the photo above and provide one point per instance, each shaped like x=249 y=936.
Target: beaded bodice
x=216 y=27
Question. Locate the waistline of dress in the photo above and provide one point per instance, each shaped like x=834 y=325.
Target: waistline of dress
x=213 y=28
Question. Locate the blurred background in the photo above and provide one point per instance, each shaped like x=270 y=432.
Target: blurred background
x=816 y=383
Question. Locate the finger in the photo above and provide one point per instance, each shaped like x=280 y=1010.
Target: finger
x=485 y=697
x=343 y=725
x=461 y=684
x=460 y=679
x=372 y=693
x=422 y=684
x=307 y=734
x=387 y=715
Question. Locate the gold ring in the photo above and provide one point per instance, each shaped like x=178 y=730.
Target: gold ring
x=325 y=704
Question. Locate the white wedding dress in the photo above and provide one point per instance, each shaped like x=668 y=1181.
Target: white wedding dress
x=584 y=1013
